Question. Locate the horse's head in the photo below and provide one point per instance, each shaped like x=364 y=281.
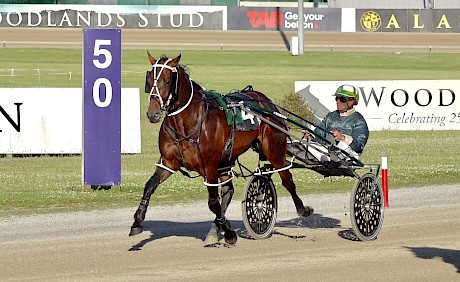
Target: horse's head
x=162 y=84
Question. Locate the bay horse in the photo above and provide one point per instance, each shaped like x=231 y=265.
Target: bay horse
x=194 y=134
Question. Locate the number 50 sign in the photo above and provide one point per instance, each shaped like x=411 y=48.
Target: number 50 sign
x=101 y=163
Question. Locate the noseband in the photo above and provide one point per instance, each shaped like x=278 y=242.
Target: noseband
x=173 y=94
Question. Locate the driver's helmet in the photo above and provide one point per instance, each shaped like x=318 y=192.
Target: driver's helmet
x=348 y=91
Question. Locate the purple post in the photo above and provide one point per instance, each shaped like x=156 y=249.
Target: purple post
x=101 y=107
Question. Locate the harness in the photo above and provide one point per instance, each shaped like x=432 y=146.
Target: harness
x=231 y=106
x=178 y=137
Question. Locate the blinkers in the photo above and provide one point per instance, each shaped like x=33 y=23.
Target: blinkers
x=174 y=84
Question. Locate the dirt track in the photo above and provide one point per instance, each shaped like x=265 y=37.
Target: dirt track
x=238 y=40
x=419 y=241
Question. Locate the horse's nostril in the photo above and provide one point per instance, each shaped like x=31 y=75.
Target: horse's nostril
x=153 y=117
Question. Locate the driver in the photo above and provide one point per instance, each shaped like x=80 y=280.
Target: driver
x=345 y=126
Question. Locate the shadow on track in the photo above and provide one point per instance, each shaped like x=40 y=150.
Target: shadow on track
x=447 y=255
x=198 y=230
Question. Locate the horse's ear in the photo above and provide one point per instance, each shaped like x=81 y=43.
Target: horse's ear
x=176 y=60
x=151 y=58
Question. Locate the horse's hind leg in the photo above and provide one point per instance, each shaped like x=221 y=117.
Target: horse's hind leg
x=219 y=210
x=159 y=176
x=226 y=194
x=272 y=144
x=288 y=182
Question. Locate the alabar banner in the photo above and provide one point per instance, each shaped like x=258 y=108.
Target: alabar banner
x=393 y=104
x=414 y=20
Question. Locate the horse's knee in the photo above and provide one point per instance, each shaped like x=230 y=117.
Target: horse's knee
x=214 y=206
x=212 y=202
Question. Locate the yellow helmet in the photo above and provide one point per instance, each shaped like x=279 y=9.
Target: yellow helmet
x=348 y=91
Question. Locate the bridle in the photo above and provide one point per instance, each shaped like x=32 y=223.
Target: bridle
x=173 y=94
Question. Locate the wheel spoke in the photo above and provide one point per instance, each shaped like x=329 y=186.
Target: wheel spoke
x=260 y=208
x=367 y=209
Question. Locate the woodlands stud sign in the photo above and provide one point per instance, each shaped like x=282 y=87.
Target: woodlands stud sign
x=396 y=104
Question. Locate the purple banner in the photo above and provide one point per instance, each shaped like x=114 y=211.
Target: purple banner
x=102 y=107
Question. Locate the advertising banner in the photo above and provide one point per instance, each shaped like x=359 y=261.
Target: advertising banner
x=286 y=19
x=114 y=16
x=395 y=104
x=412 y=20
x=49 y=121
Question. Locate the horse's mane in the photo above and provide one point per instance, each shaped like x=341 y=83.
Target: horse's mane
x=184 y=67
x=186 y=70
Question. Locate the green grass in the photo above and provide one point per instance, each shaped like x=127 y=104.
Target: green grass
x=31 y=184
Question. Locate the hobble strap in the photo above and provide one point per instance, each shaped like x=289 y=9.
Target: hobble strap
x=161 y=165
x=260 y=172
x=231 y=173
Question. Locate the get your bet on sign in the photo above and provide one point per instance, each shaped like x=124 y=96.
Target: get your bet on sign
x=396 y=104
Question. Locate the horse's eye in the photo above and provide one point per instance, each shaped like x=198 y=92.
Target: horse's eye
x=167 y=82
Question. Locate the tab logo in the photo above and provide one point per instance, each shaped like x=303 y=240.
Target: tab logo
x=264 y=18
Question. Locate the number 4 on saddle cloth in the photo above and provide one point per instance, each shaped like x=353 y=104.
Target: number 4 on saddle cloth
x=237 y=119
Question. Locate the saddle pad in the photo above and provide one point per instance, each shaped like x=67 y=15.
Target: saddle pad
x=241 y=121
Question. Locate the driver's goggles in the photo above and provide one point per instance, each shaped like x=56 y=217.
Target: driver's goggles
x=343 y=99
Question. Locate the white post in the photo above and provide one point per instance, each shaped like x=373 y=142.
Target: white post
x=294 y=46
x=300 y=26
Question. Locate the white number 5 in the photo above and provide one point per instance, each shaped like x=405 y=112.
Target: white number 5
x=98 y=50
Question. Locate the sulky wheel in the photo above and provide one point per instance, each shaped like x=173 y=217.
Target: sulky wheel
x=366 y=207
x=259 y=207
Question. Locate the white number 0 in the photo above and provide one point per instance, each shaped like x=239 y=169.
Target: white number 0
x=108 y=86
x=108 y=92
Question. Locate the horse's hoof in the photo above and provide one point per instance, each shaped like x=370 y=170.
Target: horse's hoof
x=307 y=211
x=230 y=237
x=136 y=230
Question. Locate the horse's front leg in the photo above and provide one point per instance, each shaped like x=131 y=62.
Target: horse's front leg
x=158 y=177
x=219 y=210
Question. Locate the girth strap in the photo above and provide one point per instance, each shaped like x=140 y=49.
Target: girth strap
x=227 y=152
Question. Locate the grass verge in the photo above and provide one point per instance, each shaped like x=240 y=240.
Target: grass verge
x=48 y=183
